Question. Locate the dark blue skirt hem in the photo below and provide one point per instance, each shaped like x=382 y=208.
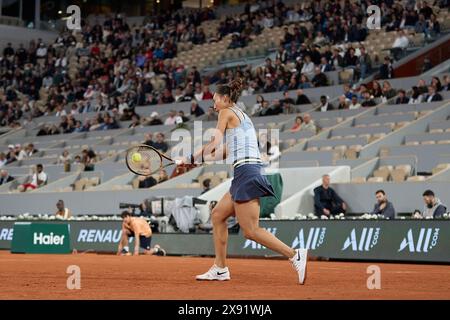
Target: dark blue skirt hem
x=249 y=183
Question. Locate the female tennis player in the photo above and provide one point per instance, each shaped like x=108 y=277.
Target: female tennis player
x=247 y=186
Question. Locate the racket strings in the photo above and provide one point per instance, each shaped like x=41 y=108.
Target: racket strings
x=149 y=162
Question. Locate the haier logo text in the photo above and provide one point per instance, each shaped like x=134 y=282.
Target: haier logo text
x=366 y=241
x=48 y=239
x=426 y=240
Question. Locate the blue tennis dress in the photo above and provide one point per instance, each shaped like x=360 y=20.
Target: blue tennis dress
x=248 y=182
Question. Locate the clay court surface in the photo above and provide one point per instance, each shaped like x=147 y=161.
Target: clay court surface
x=148 y=277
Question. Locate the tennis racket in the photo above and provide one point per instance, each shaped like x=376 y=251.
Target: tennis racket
x=145 y=160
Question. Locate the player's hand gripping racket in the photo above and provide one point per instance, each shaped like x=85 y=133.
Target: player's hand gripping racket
x=145 y=160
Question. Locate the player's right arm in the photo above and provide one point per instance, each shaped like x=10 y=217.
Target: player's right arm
x=137 y=232
x=225 y=116
x=122 y=238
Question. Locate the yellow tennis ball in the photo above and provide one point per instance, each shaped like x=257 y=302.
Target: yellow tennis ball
x=136 y=157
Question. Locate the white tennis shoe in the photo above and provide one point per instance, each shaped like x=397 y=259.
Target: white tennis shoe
x=215 y=273
x=299 y=261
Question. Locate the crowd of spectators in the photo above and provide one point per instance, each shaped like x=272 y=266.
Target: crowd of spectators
x=111 y=66
x=424 y=93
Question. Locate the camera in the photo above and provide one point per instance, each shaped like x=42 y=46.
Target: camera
x=129 y=205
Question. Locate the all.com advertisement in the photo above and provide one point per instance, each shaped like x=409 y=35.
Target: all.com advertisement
x=356 y=240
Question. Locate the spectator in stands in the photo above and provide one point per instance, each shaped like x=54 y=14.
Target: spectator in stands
x=183 y=116
x=38 y=179
x=179 y=94
x=368 y=100
x=77 y=159
x=402 y=98
x=433 y=207
x=198 y=94
x=308 y=124
x=386 y=69
x=308 y=67
x=297 y=126
x=416 y=96
x=348 y=93
x=343 y=102
x=5 y=177
x=3 y=159
x=376 y=91
x=336 y=60
x=421 y=25
x=319 y=79
x=446 y=85
x=432 y=95
x=160 y=144
x=65 y=157
x=62 y=211
x=163 y=176
x=383 y=206
x=287 y=103
x=301 y=98
x=325 y=105
x=326 y=201
x=354 y=104
x=324 y=65
x=401 y=42
x=304 y=82
x=270 y=151
x=146 y=182
x=109 y=123
x=134 y=122
x=271 y=110
x=257 y=107
x=166 y=97
x=88 y=159
x=154 y=119
x=170 y=120
x=196 y=110
x=30 y=150
x=364 y=65
x=436 y=83
x=269 y=86
x=423 y=88
x=206 y=185
x=211 y=114
x=20 y=152
x=11 y=155
x=388 y=91
x=148 y=139
x=207 y=95
x=433 y=28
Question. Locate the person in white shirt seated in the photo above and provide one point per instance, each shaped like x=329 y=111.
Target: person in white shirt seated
x=308 y=67
x=22 y=154
x=271 y=152
x=354 y=104
x=170 y=120
x=401 y=42
x=257 y=107
x=416 y=96
x=38 y=179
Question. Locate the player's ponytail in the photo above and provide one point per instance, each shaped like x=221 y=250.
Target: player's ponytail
x=236 y=87
x=233 y=89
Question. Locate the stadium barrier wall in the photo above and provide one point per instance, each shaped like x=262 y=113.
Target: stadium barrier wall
x=397 y=240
